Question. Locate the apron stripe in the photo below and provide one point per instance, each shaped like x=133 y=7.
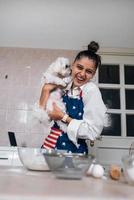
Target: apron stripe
x=52 y=136
x=81 y=93
x=56 y=130
x=56 y=134
x=51 y=140
x=47 y=146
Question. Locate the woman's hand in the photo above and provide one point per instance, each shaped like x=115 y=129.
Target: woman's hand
x=56 y=113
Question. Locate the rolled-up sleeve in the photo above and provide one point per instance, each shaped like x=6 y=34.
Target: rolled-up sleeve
x=91 y=126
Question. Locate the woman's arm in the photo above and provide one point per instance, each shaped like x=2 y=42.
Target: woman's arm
x=45 y=92
x=90 y=127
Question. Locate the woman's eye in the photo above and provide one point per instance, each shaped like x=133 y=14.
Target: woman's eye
x=89 y=72
x=79 y=67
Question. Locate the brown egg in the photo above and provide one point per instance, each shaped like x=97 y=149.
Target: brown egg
x=115 y=172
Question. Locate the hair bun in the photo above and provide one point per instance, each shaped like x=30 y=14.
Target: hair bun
x=93 y=46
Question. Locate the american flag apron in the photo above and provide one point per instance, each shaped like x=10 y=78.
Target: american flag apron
x=57 y=139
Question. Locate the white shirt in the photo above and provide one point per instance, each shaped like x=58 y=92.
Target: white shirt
x=90 y=127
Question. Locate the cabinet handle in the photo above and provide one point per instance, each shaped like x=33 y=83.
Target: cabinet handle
x=3 y=158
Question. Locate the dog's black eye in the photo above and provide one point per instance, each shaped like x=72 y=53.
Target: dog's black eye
x=67 y=66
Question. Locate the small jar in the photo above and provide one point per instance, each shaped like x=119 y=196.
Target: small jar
x=128 y=168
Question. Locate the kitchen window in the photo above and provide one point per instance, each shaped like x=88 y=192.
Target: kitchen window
x=116 y=84
x=115 y=79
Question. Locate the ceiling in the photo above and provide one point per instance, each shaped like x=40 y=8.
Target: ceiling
x=66 y=24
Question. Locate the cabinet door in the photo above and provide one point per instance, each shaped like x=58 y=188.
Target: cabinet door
x=9 y=156
x=5 y=157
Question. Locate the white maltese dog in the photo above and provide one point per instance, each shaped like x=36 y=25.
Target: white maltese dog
x=57 y=73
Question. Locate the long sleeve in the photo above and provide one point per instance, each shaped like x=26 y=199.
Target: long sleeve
x=90 y=127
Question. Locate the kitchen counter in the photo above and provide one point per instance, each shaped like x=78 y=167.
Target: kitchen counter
x=17 y=183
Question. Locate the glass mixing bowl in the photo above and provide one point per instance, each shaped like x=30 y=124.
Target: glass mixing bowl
x=68 y=165
x=32 y=158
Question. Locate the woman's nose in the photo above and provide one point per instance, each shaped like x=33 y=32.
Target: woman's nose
x=83 y=73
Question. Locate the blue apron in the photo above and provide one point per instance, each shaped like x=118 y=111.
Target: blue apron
x=74 y=108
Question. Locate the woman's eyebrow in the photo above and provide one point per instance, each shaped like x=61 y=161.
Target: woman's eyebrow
x=90 y=70
x=80 y=65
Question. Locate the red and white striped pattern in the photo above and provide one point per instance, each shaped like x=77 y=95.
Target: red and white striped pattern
x=51 y=140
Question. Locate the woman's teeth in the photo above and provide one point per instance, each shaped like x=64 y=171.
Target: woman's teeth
x=80 y=79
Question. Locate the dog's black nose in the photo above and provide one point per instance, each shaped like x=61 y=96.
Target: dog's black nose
x=67 y=66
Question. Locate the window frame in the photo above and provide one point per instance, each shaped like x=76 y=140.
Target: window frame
x=119 y=57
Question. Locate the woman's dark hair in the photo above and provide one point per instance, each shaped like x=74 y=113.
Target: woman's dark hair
x=90 y=53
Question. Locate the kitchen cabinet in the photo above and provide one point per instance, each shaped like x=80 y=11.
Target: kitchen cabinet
x=9 y=156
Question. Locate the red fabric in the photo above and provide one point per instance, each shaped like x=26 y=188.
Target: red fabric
x=50 y=141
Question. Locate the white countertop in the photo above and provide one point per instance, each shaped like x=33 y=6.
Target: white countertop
x=17 y=183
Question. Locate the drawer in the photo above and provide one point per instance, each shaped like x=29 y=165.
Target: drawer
x=9 y=156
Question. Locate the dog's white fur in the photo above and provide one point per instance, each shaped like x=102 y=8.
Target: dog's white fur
x=57 y=73
x=60 y=67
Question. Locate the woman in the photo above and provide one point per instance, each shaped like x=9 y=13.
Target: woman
x=85 y=110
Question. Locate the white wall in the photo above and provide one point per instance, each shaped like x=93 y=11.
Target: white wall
x=21 y=70
x=62 y=24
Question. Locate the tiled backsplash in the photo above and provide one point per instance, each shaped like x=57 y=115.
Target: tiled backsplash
x=20 y=86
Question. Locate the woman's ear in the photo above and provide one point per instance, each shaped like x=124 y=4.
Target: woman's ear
x=70 y=71
x=72 y=66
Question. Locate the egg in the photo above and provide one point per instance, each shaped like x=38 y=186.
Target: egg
x=89 y=172
x=115 y=172
x=97 y=171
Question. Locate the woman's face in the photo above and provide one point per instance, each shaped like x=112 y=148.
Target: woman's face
x=82 y=71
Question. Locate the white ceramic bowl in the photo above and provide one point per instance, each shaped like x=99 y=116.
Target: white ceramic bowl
x=32 y=158
x=68 y=165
